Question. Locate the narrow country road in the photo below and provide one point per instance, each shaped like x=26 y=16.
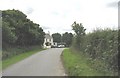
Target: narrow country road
x=44 y=63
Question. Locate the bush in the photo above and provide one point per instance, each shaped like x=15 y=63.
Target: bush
x=102 y=45
x=15 y=50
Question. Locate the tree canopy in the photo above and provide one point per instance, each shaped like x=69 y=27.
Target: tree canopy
x=56 y=37
x=67 y=38
x=80 y=32
x=17 y=29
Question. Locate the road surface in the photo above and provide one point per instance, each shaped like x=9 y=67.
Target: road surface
x=44 y=63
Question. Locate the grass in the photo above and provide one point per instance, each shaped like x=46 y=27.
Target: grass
x=17 y=58
x=77 y=64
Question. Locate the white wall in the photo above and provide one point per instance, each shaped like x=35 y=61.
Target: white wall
x=47 y=40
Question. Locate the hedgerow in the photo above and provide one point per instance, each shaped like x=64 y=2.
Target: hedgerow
x=101 y=47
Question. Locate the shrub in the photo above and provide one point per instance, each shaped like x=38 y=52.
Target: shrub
x=101 y=45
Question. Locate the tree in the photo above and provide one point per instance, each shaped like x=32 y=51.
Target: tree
x=56 y=37
x=80 y=32
x=67 y=38
x=8 y=36
x=19 y=30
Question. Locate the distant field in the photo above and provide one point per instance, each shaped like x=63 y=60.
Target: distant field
x=78 y=65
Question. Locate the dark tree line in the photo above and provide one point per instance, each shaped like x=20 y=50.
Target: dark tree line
x=65 y=38
x=57 y=37
x=17 y=29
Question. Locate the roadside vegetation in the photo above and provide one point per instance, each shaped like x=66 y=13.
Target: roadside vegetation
x=77 y=64
x=16 y=58
x=99 y=47
x=21 y=37
x=19 y=34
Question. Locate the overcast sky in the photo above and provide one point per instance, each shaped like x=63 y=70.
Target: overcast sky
x=58 y=15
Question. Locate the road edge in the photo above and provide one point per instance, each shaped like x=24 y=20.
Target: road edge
x=62 y=61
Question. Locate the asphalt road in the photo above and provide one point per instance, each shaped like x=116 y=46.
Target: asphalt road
x=44 y=63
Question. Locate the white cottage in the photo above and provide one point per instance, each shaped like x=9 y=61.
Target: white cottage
x=48 y=41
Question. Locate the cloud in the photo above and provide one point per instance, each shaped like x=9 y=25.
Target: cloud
x=55 y=13
x=58 y=15
x=29 y=10
x=45 y=27
x=67 y=29
x=113 y=4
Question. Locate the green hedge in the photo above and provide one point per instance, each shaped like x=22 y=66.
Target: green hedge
x=101 y=45
x=16 y=50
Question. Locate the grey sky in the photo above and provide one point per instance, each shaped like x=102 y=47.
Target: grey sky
x=58 y=15
x=113 y=4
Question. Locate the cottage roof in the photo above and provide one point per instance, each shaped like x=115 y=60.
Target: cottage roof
x=47 y=36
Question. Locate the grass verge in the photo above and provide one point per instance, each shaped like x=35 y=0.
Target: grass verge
x=77 y=65
x=17 y=58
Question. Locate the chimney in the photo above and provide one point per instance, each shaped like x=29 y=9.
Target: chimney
x=49 y=32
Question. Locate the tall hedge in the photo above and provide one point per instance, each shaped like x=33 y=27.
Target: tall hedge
x=101 y=47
